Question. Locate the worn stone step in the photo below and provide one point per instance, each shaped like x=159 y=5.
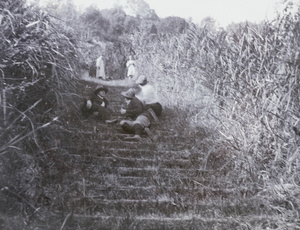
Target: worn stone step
x=166 y=207
x=102 y=151
x=109 y=134
x=97 y=169
x=142 y=162
x=118 y=192
x=118 y=142
x=112 y=180
x=141 y=190
x=166 y=172
x=127 y=145
x=161 y=177
x=180 y=221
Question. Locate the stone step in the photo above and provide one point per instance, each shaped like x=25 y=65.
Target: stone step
x=92 y=127
x=180 y=221
x=112 y=180
x=148 y=145
x=160 y=177
x=154 y=154
x=166 y=207
x=166 y=172
x=97 y=169
x=141 y=188
x=143 y=162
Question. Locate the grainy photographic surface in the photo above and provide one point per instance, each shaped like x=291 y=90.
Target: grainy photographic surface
x=130 y=116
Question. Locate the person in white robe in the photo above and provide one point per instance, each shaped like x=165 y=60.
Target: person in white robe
x=131 y=67
x=100 y=68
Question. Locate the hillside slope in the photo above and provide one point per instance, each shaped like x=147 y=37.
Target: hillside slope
x=93 y=179
x=167 y=184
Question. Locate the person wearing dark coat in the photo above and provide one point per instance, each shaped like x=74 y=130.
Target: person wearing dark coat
x=96 y=104
x=134 y=105
x=139 y=118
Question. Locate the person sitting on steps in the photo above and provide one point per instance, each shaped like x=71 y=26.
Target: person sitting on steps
x=133 y=106
x=139 y=119
x=148 y=95
x=96 y=105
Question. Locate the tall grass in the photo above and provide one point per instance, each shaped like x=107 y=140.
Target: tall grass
x=245 y=84
x=37 y=77
x=38 y=63
x=172 y=66
x=242 y=85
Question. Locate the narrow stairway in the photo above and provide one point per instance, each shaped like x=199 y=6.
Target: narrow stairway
x=167 y=184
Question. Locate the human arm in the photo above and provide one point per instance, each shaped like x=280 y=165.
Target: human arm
x=106 y=103
x=88 y=104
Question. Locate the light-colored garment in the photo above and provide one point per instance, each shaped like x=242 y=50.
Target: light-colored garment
x=131 y=70
x=147 y=94
x=100 y=68
x=141 y=120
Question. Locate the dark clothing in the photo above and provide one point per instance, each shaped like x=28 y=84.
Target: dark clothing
x=157 y=108
x=133 y=128
x=142 y=116
x=98 y=108
x=97 y=101
x=127 y=128
x=134 y=108
x=147 y=114
x=138 y=129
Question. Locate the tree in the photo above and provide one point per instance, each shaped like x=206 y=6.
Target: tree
x=209 y=23
x=116 y=17
x=131 y=24
x=172 y=25
x=138 y=8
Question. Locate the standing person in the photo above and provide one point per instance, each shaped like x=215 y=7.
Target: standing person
x=96 y=104
x=100 y=68
x=131 y=67
x=148 y=95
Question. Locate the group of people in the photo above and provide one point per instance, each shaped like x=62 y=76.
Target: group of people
x=130 y=65
x=142 y=108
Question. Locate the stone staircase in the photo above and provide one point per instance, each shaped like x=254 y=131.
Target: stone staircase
x=113 y=184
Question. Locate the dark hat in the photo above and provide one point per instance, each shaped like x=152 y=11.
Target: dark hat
x=129 y=93
x=142 y=80
x=101 y=88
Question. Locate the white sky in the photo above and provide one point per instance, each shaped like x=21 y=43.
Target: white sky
x=223 y=11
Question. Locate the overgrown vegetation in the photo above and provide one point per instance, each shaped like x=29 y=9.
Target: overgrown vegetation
x=37 y=66
x=240 y=85
x=244 y=83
